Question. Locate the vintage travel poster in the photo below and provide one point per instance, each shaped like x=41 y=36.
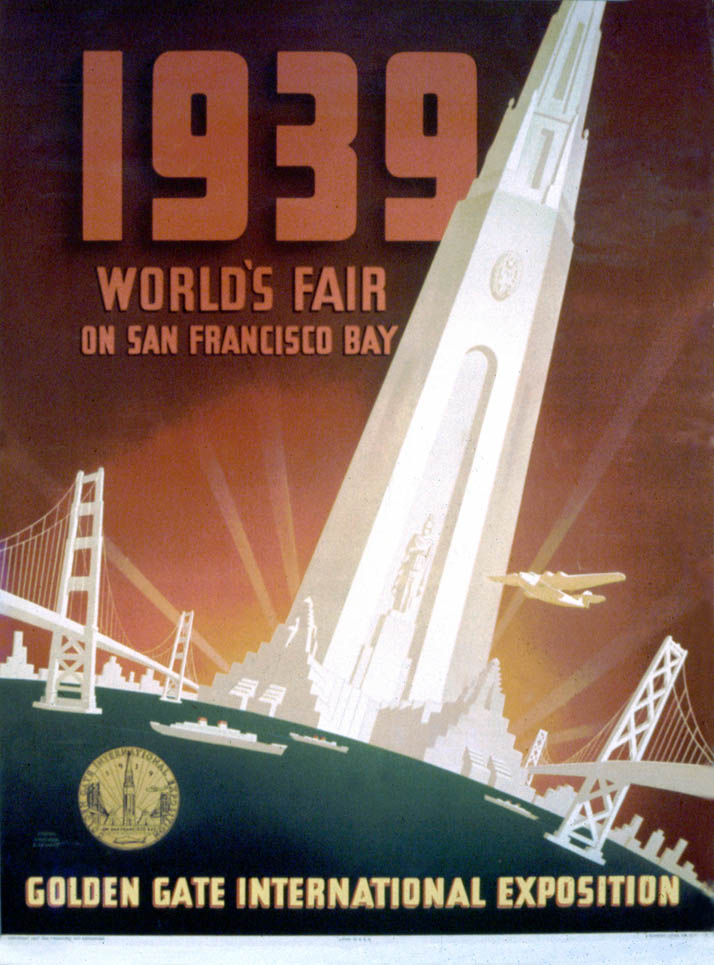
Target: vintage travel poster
x=356 y=467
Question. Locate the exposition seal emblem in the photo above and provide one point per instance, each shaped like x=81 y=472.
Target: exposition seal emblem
x=128 y=798
x=506 y=274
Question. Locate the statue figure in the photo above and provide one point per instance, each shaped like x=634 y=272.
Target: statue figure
x=411 y=577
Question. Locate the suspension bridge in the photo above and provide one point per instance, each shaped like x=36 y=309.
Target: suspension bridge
x=654 y=741
x=54 y=576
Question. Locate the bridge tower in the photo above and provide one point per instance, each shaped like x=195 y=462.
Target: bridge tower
x=536 y=751
x=71 y=671
x=593 y=812
x=179 y=654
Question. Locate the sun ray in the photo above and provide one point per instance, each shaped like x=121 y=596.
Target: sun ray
x=666 y=610
x=31 y=470
x=224 y=499
x=581 y=732
x=279 y=491
x=660 y=356
x=155 y=597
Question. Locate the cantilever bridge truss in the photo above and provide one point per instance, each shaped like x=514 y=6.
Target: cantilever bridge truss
x=53 y=575
x=678 y=757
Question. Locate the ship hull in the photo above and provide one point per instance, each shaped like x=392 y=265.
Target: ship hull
x=328 y=745
x=244 y=823
x=209 y=735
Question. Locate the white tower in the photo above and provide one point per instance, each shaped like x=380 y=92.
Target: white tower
x=403 y=606
x=71 y=672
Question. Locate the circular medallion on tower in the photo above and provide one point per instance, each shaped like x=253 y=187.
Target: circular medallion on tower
x=506 y=274
x=128 y=798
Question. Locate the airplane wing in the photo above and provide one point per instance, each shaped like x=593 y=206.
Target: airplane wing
x=579 y=581
x=550 y=595
x=510 y=579
x=524 y=580
x=545 y=587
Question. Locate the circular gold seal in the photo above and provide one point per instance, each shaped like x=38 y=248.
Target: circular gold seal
x=128 y=798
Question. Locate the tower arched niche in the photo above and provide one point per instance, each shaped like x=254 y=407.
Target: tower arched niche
x=420 y=554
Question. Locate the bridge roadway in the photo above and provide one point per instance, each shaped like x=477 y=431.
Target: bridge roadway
x=694 y=779
x=16 y=608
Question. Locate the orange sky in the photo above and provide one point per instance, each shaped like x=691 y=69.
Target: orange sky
x=624 y=433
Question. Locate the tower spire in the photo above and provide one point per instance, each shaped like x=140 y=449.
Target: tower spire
x=128 y=794
x=551 y=106
x=449 y=438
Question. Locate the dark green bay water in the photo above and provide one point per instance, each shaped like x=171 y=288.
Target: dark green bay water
x=310 y=813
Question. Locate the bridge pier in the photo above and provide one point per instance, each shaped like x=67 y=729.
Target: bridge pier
x=592 y=814
x=179 y=654
x=52 y=579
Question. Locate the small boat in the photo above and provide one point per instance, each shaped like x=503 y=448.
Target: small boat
x=319 y=742
x=222 y=734
x=511 y=806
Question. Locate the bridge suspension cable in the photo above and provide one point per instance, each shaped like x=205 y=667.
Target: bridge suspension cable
x=592 y=749
x=679 y=737
x=31 y=559
x=109 y=619
x=54 y=574
x=587 y=822
x=163 y=647
x=31 y=567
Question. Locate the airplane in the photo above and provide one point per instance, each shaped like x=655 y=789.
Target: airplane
x=560 y=588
